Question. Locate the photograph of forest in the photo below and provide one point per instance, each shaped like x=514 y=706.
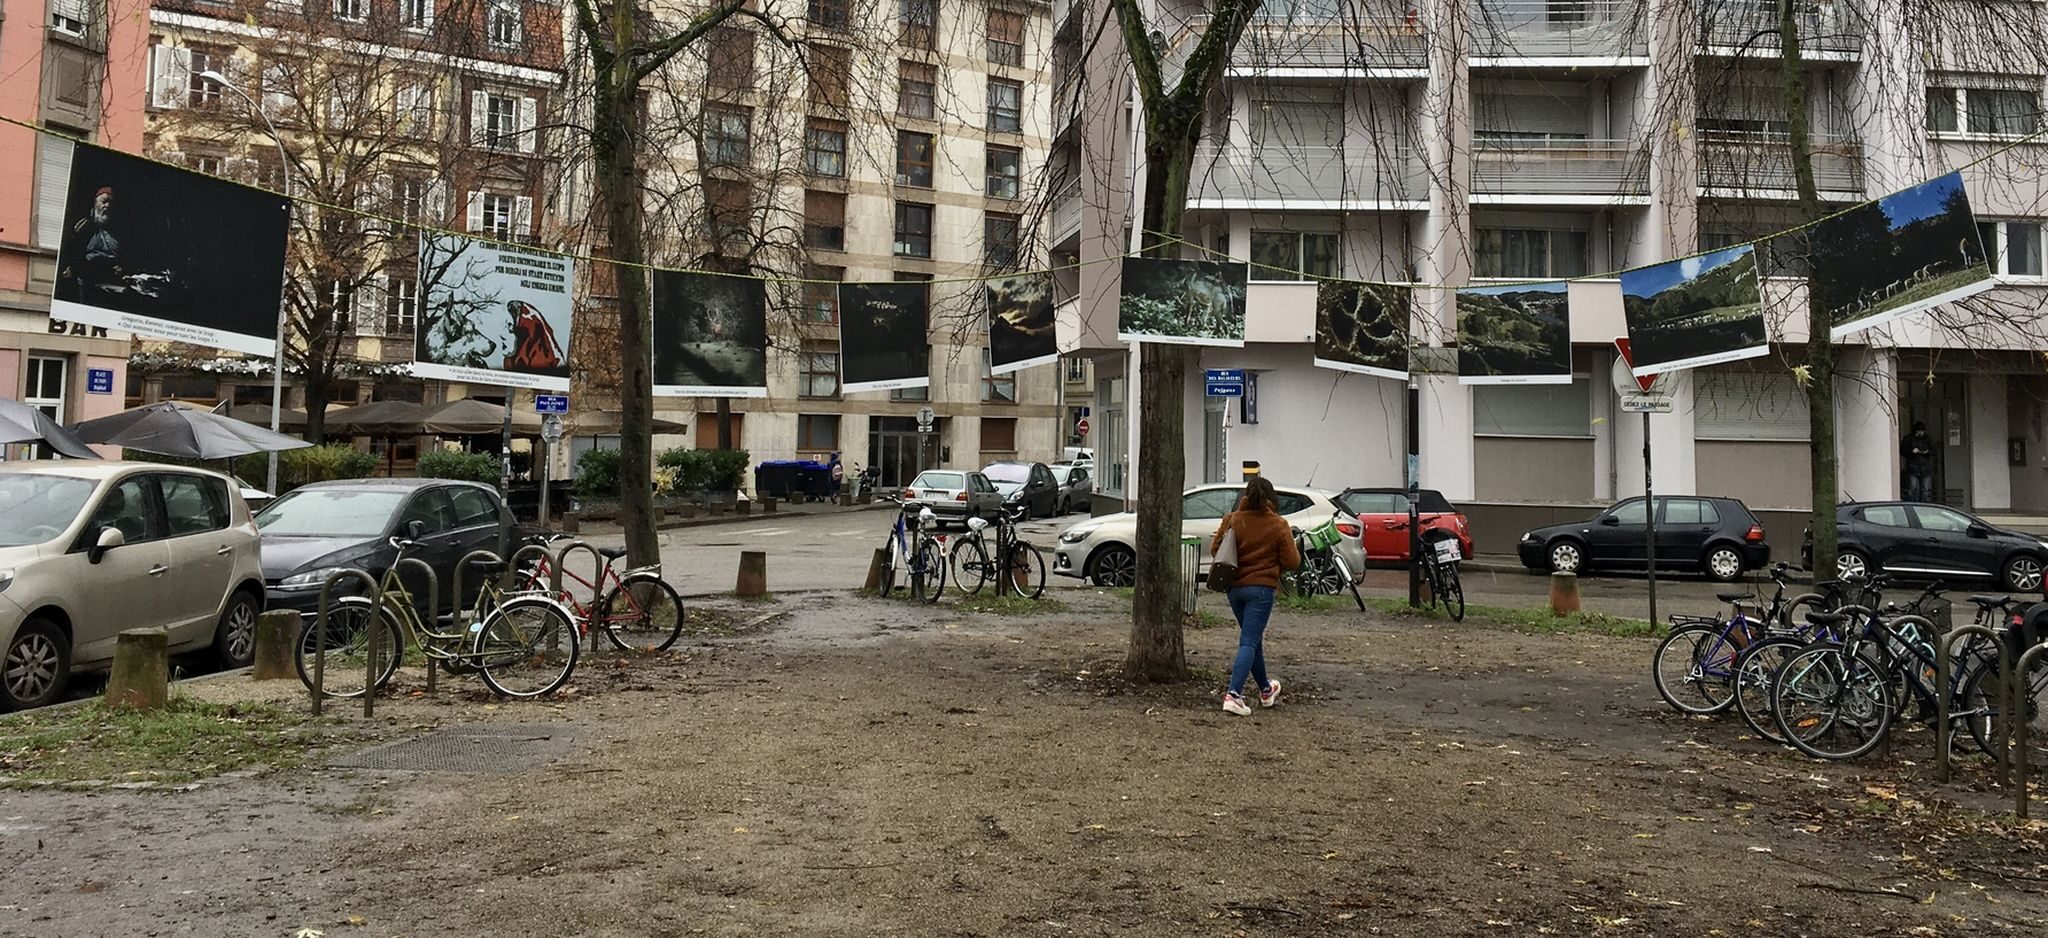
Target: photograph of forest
x=1694 y=311
x=1184 y=302
x=1363 y=327
x=1514 y=334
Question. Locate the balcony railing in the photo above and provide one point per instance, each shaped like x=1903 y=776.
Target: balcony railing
x=1532 y=166
x=1385 y=36
x=1066 y=212
x=1279 y=175
x=1559 y=28
x=1752 y=26
x=1738 y=162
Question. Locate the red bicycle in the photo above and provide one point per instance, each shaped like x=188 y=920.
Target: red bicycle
x=637 y=610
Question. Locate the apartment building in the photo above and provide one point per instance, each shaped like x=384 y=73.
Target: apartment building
x=1453 y=142
x=74 y=66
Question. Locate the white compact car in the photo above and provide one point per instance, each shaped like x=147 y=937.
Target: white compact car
x=1102 y=549
x=91 y=549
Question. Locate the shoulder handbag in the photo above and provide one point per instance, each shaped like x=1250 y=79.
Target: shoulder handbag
x=1223 y=568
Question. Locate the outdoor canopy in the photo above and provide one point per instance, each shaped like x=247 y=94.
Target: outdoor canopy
x=259 y=414
x=472 y=417
x=171 y=430
x=379 y=418
x=20 y=423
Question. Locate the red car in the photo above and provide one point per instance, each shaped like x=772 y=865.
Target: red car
x=1384 y=513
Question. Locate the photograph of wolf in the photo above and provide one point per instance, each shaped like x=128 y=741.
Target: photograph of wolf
x=1908 y=251
x=1182 y=302
x=1694 y=311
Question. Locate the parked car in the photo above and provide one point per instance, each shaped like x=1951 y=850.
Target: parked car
x=1717 y=536
x=1026 y=486
x=90 y=549
x=1101 y=549
x=1077 y=485
x=956 y=495
x=1916 y=539
x=314 y=530
x=1384 y=513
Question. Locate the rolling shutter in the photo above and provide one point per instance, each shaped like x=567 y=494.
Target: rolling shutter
x=1737 y=406
x=53 y=184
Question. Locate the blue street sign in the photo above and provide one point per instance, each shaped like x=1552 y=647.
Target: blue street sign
x=551 y=403
x=1226 y=388
x=99 y=381
x=1216 y=375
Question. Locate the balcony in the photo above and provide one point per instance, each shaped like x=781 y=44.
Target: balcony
x=1757 y=165
x=1066 y=213
x=1750 y=27
x=1615 y=170
x=1542 y=29
x=1387 y=38
x=1309 y=177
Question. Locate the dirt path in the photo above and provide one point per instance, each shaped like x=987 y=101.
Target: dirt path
x=869 y=769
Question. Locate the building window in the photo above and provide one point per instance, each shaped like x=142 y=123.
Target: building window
x=825 y=147
x=819 y=373
x=68 y=17
x=412 y=198
x=1307 y=117
x=1732 y=405
x=1005 y=105
x=497 y=214
x=2013 y=246
x=1005 y=37
x=201 y=92
x=920 y=22
x=727 y=133
x=1001 y=239
x=821 y=292
x=416 y=15
x=503 y=24
x=729 y=59
x=1005 y=172
x=353 y=11
x=913 y=159
x=401 y=303
x=1533 y=410
x=1517 y=253
x=341 y=299
x=911 y=394
x=1077 y=369
x=707 y=431
x=413 y=105
x=818 y=433
x=1999 y=111
x=916 y=90
x=206 y=163
x=825 y=220
x=1293 y=255
x=501 y=122
x=728 y=207
x=998 y=435
x=913 y=229
x=831 y=70
x=48 y=378
x=995 y=388
x=828 y=13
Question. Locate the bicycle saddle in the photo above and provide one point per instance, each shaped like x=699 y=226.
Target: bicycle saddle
x=1827 y=618
x=1992 y=602
x=488 y=563
x=611 y=553
x=1733 y=597
x=977 y=524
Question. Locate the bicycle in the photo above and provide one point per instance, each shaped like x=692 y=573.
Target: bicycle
x=1757 y=663
x=1440 y=559
x=1019 y=564
x=910 y=547
x=1725 y=657
x=522 y=645
x=638 y=610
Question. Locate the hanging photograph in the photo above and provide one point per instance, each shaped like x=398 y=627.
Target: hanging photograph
x=1694 y=311
x=1020 y=324
x=1363 y=328
x=1182 y=302
x=1514 y=334
x=883 y=339
x=170 y=254
x=493 y=314
x=710 y=335
x=1901 y=254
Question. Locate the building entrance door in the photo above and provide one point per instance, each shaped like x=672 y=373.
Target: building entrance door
x=1943 y=405
x=895 y=450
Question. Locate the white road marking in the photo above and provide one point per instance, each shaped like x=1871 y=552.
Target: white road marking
x=771 y=532
x=848 y=534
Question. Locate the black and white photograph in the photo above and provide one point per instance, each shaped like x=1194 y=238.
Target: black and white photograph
x=1518 y=333
x=884 y=339
x=1363 y=327
x=1020 y=323
x=710 y=335
x=1908 y=251
x=493 y=314
x=1182 y=302
x=1694 y=311
x=170 y=254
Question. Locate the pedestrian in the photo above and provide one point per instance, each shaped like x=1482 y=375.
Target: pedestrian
x=1916 y=463
x=838 y=476
x=1265 y=547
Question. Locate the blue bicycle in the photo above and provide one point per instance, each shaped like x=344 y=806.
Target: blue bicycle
x=911 y=549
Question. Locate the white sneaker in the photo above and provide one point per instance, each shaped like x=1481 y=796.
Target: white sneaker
x=1235 y=704
x=1270 y=697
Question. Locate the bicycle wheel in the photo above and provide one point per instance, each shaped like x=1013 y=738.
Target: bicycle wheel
x=528 y=648
x=885 y=576
x=643 y=614
x=1755 y=668
x=347 y=643
x=1830 y=704
x=927 y=572
x=1984 y=699
x=971 y=569
x=1026 y=574
x=1693 y=670
x=1454 y=594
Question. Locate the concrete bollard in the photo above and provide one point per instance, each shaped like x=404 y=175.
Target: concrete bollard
x=742 y=507
x=1564 y=594
x=753 y=579
x=846 y=499
x=768 y=504
x=874 y=581
x=572 y=522
x=277 y=633
x=141 y=678
x=689 y=510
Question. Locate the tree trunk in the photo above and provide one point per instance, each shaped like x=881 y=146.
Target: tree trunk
x=725 y=423
x=316 y=408
x=1820 y=347
x=613 y=134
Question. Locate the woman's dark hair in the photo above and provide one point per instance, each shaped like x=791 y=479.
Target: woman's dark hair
x=1259 y=496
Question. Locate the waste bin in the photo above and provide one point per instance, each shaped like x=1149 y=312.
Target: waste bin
x=775 y=477
x=814 y=479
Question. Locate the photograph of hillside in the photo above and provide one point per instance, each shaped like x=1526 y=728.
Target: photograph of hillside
x=1908 y=251
x=1514 y=334
x=1694 y=311
x=1363 y=327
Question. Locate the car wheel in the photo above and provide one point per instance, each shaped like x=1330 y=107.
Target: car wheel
x=1851 y=565
x=2023 y=574
x=1724 y=563
x=1024 y=511
x=1115 y=565
x=234 y=639
x=1566 y=557
x=36 y=667
x=1066 y=508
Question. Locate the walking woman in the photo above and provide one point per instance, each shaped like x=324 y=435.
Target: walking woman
x=1265 y=547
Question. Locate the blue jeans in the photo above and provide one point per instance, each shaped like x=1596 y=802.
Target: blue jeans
x=1252 y=605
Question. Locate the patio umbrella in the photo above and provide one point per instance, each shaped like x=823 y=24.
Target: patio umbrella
x=20 y=423
x=471 y=417
x=603 y=422
x=171 y=430
x=259 y=414
x=378 y=418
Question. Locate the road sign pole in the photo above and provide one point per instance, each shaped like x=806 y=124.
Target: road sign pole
x=1414 y=493
x=1650 y=513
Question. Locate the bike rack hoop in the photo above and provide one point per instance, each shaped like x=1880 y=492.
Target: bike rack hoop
x=455 y=589
x=2016 y=721
x=376 y=588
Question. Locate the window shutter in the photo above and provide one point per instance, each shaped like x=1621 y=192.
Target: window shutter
x=53 y=184
x=435 y=205
x=476 y=211
x=277 y=95
x=381 y=189
x=522 y=216
x=70 y=9
x=170 y=70
x=365 y=305
x=529 y=124
x=427 y=15
x=363 y=202
x=478 y=103
x=1736 y=406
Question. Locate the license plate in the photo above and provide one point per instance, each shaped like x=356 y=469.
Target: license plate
x=935 y=493
x=1447 y=552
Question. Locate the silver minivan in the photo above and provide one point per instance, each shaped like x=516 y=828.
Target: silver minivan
x=91 y=549
x=955 y=495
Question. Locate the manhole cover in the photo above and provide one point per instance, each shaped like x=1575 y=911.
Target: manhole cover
x=484 y=748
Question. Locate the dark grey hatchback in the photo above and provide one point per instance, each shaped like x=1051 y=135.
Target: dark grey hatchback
x=1717 y=536
x=314 y=530
x=1916 y=540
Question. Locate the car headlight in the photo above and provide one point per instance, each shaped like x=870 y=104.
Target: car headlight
x=309 y=580
x=6 y=579
x=1528 y=535
x=1078 y=533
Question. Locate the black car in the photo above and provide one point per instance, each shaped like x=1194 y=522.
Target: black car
x=1029 y=485
x=1717 y=536
x=314 y=530
x=1922 y=541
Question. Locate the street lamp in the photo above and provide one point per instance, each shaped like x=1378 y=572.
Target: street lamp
x=284 y=169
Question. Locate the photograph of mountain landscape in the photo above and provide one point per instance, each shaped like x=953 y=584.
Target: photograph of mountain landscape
x=1694 y=311
x=1363 y=328
x=1514 y=334
x=1908 y=251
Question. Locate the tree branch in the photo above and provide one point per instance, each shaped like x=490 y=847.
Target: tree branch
x=654 y=57
x=1144 y=58
x=1225 y=26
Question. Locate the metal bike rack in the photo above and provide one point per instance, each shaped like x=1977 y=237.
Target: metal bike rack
x=433 y=608
x=320 y=633
x=1191 y=570
x=1944 y=669
x=538 y=551
x=560 y=565
x=2016 y=720
x=461 y=607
